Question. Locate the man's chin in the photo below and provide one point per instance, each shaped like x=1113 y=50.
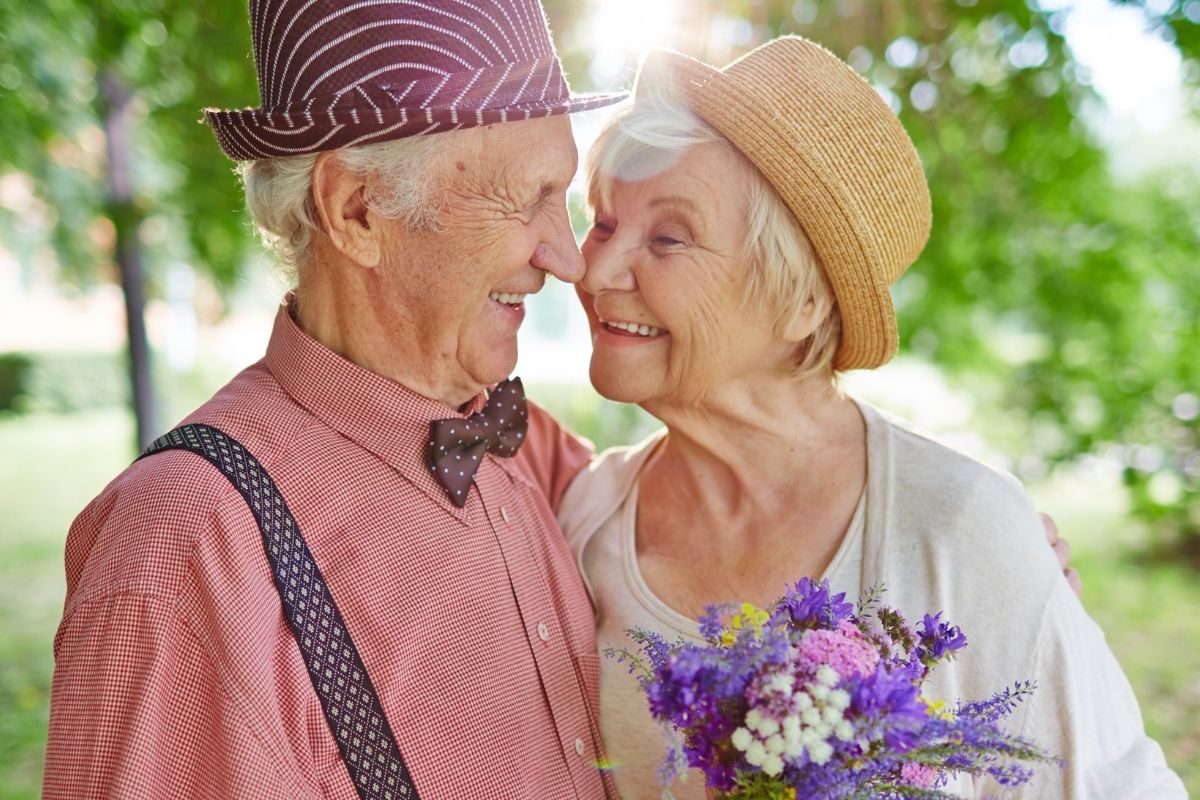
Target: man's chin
x=494 y=367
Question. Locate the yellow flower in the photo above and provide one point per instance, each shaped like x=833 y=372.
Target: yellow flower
x=937 y=708
x=749 y=617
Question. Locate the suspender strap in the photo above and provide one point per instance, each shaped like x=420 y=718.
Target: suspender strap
x=347 y=697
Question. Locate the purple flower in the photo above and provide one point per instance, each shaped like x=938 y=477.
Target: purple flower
x=890 y=704
x=938 y=640
x=810 y=605
x=711 y=624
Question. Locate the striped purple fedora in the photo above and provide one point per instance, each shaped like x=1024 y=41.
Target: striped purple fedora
x=336 y=73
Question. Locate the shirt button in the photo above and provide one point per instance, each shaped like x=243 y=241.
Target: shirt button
x=543 y=632
x=579 y=747
x=504 y=513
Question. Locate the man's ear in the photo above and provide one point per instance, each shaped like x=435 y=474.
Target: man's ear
x=342 y=212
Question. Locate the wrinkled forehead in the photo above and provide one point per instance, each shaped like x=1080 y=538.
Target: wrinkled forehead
x=533 y=152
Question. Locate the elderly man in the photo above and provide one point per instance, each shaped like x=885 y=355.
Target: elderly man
x=340 y=576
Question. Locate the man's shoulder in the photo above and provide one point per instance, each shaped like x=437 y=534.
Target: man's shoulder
x=141 y=533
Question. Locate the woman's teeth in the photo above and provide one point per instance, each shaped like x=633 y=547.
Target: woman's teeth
x=633 y=327
x=507 y=299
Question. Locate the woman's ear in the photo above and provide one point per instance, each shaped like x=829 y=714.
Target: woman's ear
x=342 y=212
x=800 y=325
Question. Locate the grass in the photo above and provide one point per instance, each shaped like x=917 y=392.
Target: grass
x=52 y=466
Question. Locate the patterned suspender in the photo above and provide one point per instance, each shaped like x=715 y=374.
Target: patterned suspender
x=347 y=697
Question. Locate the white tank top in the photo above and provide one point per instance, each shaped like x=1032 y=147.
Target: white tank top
x=608 y=557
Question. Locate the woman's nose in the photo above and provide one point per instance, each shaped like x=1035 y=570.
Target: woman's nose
x=609 y=267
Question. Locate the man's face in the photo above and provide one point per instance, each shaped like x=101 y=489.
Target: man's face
x=503 y=226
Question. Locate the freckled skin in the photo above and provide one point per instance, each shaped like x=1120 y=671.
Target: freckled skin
x=683 y=267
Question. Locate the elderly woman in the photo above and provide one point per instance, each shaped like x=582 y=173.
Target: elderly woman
x=748 y=224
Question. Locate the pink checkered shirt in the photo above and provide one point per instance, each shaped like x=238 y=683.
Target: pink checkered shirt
x=176 y=674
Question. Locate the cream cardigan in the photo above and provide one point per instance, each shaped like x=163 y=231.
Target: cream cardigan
x=942 y=532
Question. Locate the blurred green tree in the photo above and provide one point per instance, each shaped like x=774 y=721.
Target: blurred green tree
x=101 y=105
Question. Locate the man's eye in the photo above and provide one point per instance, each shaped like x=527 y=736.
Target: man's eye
x=666 y=241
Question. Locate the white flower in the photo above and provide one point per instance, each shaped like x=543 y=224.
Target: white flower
x=820 y=753
x=839 y=699
x=780 y=683
x=794 y=749
x=810 y=716
x=754 y=719
x=828 y=675
x=809 y=737
x=756 y=753
x=831 y=715
x=791 y=726
x=802 y=701
x=741 y=739
x=773 y=765
x=818 y=691
x=774 y=745
x=844 y=730
x=769 y=726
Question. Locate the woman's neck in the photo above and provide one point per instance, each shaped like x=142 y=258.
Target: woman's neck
x=751 y=451
x=751 y=490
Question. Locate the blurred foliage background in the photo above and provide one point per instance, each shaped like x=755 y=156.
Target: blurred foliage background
x=1060 y=289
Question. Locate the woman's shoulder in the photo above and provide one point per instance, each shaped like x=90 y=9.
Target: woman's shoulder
x=599 y=490
x=922 y=468
x=939 y=508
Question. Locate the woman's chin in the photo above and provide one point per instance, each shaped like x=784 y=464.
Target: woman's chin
x=619 y=386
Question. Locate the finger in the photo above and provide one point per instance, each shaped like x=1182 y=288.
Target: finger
x=1050 y=528
x=1062 y=549
x=1072 y=577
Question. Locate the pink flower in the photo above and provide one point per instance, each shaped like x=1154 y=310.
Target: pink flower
x=918 y=775
x=846 y=650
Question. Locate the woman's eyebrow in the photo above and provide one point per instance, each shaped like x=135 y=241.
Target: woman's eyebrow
x=677 y=201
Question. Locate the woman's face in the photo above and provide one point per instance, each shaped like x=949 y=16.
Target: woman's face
x=669 y=259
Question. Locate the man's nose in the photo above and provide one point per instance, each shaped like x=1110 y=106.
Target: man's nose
x=557 y=253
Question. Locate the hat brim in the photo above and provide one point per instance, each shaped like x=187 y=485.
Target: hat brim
x=253 y=133
x=743 y=114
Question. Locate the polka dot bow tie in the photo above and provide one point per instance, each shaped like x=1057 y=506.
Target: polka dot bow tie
x=457 y=446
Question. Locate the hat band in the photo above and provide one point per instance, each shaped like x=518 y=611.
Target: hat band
x=379 y=97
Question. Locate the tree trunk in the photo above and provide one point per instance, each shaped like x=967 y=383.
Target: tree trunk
x=124 y=216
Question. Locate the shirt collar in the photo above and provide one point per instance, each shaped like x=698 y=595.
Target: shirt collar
x=378 y=414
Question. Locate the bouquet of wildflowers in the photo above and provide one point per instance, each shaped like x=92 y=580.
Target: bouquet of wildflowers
x=814 y=699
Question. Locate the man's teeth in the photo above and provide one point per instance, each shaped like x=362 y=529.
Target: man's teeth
x=507 y=299
x=633 y=327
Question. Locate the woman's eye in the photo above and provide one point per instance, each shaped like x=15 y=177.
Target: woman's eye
x=666 y=241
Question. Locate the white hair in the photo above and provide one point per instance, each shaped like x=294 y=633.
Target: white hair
x=785 y=272
x=401 y=183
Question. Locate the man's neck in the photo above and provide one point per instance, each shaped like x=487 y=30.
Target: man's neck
x=349 y=324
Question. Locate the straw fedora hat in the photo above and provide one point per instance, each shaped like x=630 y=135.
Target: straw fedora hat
x=838 y=157
x=339 y=73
